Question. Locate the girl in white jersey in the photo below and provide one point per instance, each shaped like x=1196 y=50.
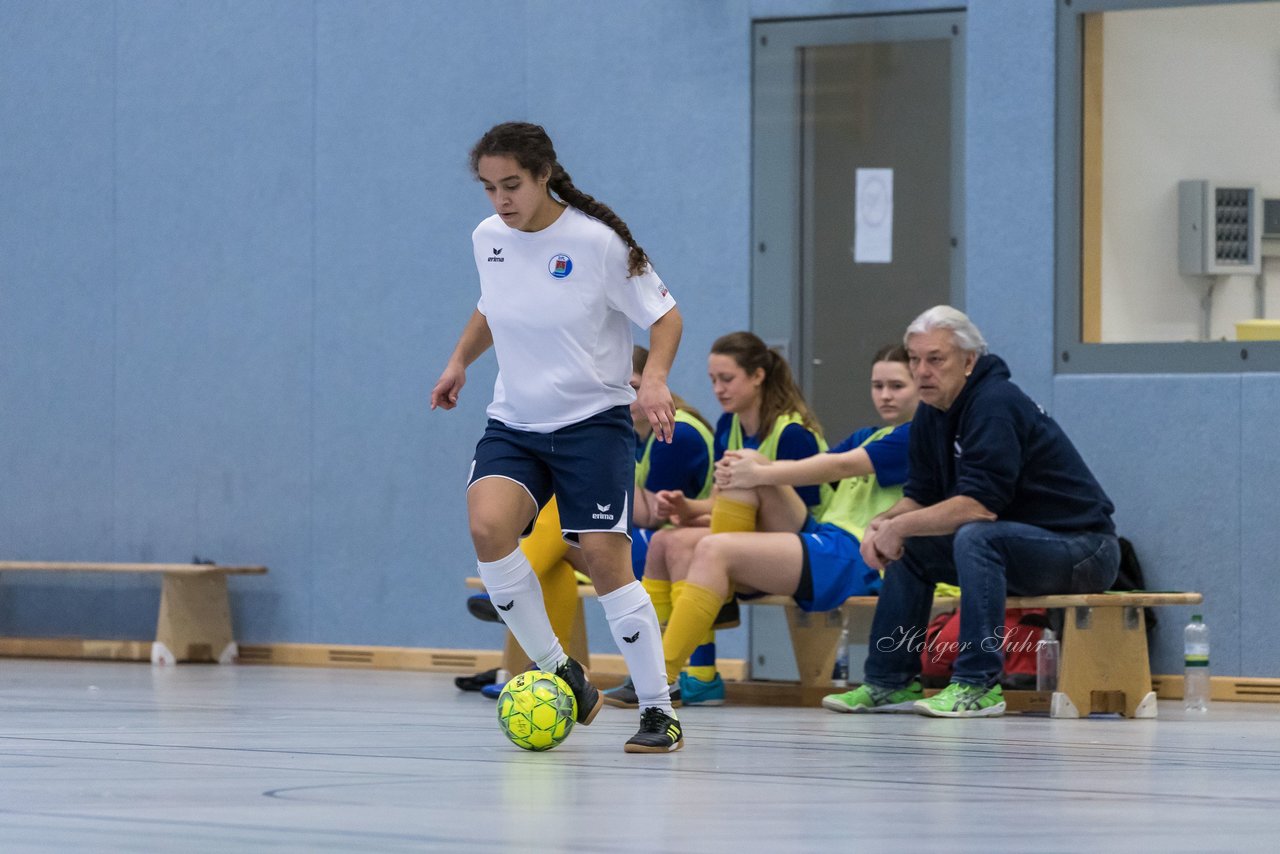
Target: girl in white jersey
x=561 y=282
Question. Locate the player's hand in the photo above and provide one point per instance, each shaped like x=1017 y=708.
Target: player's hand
x=655 y=402
x=881 y=544
x=670 y=504
x=870 y=556
x=445 y=393
x=740 y=470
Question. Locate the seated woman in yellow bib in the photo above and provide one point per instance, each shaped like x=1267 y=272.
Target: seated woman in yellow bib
x=811 y=556
x=765 y=411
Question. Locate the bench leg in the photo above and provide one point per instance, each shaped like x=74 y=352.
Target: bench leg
x=1104 y=664
x=515 y=659
x=195 y=620
x=814 y=638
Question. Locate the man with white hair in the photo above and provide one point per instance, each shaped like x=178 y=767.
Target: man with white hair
x=997 y=501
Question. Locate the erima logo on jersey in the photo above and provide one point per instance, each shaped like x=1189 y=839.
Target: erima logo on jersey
x=604 y=512
x=497 y=256
x=560 y=266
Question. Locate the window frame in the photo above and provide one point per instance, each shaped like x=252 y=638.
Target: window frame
x=1072 y=355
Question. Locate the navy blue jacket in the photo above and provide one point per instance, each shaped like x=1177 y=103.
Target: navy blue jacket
x=998 y=447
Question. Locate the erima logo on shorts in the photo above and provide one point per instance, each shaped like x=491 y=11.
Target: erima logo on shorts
x=604 y=512
x=560 y=266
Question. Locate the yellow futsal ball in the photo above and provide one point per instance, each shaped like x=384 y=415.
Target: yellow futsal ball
x=536 y=710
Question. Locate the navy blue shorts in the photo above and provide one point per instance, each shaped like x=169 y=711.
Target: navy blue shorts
x=590 y=467
x=833 y=568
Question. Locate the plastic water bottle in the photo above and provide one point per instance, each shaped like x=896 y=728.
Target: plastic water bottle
x=1195 y=685
x=1047 y=662
x=840 y=677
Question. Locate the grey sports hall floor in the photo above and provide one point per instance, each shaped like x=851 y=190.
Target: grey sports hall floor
x=126 y=757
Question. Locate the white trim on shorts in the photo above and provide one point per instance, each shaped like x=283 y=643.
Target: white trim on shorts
x=534 y=501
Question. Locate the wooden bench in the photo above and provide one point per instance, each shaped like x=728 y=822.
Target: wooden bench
x=195 y=612
x=1104 y=665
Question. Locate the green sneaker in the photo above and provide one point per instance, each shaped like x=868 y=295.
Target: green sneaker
x=961 y=700
x=871 y=698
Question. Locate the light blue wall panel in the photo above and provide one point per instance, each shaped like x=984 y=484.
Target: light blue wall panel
x=1167 y=450
x=1252 y=614
x=819 y=8
x=235 y=257
x=56 y=301
x=214 y=200
x=402 y=95
x=1009 y=180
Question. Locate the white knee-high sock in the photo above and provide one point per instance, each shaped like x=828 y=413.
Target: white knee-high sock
x=517 y=595
x=634 y=625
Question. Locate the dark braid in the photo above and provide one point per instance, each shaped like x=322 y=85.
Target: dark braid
x=532 y=149
x=562 y=185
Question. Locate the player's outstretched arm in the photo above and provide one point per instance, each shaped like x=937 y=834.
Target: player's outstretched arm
x=749 y=469
x=475 y=339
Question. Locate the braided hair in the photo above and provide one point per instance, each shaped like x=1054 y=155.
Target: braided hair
x=530 y=146
x=779 y=394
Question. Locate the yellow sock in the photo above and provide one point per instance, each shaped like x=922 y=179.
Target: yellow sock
x=659 y=590
x=692 y=615
x=560 y=596
x=705 y=672
x=677 y=590
x=728 y=516
x=545 y=546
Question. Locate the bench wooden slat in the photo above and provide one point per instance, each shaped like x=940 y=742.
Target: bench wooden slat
x=1104 y=600
x=1065 y=600
x=87 y=566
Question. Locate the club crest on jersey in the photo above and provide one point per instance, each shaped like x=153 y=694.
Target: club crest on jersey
x=560 y=266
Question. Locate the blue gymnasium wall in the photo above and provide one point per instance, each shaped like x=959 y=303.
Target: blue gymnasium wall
x=234 y=256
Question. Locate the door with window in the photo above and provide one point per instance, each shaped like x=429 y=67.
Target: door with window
x=856 y=205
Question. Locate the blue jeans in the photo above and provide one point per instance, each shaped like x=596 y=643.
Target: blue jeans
x=988 y=561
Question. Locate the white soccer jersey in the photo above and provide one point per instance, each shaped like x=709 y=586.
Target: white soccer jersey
x=560 y=307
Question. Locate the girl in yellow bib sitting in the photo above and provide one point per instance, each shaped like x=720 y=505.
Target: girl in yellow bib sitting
x=764 y=411
x=812 y=556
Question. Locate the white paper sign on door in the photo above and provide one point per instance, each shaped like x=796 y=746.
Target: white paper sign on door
x=873 y=217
